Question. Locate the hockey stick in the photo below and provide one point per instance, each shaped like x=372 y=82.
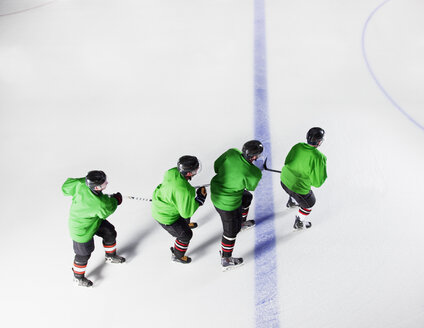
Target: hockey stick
x=267 y=169
x=149 y=200
x=138 y=198
x=133 y=197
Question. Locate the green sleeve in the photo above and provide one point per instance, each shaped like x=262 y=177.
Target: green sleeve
x=108 y=205
x=218 y=162
x=68 y=188
x=319 y=172
x=290 y=156
x=252 y=180
x=186 y=203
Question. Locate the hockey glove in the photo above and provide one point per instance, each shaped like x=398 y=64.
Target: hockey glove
x=118 y=197
x=201 y=195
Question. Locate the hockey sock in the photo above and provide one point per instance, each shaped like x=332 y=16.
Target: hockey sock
x=79 y=269
x=244 y=212
x=227 y=246
x=110 y=249
x=304 y=212
x=180 y=248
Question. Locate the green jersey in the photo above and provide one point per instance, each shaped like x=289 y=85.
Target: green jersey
x=305 y=166
x=87 y=209
x=234 y=174
x=173 y=198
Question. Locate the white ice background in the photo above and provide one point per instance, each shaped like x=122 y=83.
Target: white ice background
x=128 y=86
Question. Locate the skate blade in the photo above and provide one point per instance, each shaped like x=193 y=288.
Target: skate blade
x=301 y=229
x=292 y=206
x=247 y=228
x=76 y=284
x=180 y=262
x=114 y=262
x=231 y=267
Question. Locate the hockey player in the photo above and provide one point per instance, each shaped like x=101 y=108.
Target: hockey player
x=89 y=210
x=235 y=175
x=174 y=202
x=305 y=166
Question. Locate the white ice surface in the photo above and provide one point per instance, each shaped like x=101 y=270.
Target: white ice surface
x=129 y=86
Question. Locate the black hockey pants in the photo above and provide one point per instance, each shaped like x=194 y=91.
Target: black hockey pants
x=83 y=250
x=231 y=224
x=304 y=201
x=183 y=234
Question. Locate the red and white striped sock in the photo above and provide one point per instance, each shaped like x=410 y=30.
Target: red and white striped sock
x=227 y=246
x=79 y=269
x=180 y=248
x=244 y=212
x=110 y=249
x=303 y=213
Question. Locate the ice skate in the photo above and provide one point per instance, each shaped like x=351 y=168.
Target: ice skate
x=299 y=225
x=81 y=280
x=184 y=259
x=113 y=258
x=248 y=224
x=229 y=263
x=291 y=203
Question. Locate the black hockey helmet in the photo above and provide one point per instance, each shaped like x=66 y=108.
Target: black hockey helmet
x=252 y=148
x=187 y=164
x=95 y=179
x=315 y=136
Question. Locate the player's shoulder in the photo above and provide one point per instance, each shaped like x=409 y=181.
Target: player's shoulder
x=233 y=152
x=300 y=146
x=256 y=171
x=75 y=180
x=320 y=155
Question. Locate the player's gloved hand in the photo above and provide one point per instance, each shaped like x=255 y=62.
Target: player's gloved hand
x=118 y=197
x=201 y=195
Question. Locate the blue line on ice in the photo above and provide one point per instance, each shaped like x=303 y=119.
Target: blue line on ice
x=364 y=53
x=266 y=287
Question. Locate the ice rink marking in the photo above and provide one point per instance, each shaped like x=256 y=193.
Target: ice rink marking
x=364 y=53
x=266 y=286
